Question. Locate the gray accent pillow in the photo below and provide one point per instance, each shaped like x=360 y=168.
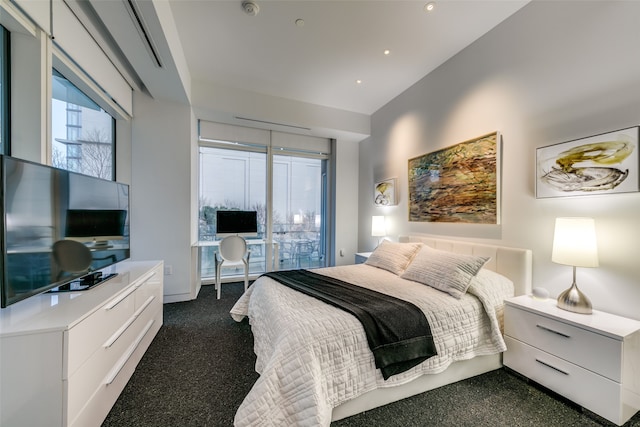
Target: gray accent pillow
x=446 y=271
x=393 y=256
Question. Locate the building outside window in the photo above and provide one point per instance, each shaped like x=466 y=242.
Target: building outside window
x=4 y=91
x=83 y=133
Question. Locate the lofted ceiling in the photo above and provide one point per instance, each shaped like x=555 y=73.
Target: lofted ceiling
x=339 y=43
x=324 y=52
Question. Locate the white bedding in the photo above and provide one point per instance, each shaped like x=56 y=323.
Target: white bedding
x=312 y=357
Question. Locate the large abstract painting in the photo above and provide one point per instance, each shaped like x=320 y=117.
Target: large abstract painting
x=600 y=164
x=457 y=184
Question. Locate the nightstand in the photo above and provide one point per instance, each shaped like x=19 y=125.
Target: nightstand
x=361 y=257
x=593 y=360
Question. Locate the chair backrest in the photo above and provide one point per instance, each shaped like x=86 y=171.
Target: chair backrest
x=233 y=248
x=72 y=256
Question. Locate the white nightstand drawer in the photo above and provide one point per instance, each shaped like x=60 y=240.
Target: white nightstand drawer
x=590 y=350
x=584 y=387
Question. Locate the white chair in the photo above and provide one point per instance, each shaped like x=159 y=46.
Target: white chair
x=232 y=253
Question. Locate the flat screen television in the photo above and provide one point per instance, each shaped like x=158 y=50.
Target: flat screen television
x=42 y=205
x=236 y=223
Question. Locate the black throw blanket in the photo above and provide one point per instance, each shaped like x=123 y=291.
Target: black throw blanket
x=397 y=331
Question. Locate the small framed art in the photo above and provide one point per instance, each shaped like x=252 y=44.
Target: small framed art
x=384 y=193
x=600 y=164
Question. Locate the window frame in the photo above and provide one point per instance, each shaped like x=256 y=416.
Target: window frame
x=5 y=91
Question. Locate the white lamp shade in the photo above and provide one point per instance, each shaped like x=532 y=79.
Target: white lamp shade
x=574 y=242
x=378 y=228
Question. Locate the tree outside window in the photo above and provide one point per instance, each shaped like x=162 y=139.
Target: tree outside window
x=83 y=136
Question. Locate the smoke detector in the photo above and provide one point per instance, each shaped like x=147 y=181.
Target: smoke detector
x=251 y=8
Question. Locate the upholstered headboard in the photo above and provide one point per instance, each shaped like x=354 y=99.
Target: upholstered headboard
x=514 y=263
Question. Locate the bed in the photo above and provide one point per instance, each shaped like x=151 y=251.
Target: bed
x=314 y=361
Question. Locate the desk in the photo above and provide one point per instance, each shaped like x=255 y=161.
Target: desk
x=272 y=253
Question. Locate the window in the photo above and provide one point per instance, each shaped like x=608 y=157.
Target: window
x=231 y=180
x=288 y=190
x=4 y=91
x=83 y=133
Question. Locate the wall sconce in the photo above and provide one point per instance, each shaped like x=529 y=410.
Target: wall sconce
x=574 y=244
x=378 y=228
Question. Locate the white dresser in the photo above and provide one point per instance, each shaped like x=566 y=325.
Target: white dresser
x=593 y=360
x=65 y=357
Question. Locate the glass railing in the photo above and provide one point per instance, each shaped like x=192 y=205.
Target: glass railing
x=290 y=251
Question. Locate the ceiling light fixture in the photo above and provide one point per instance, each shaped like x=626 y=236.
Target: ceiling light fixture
x=300 y=22
x=358 y=81
x=429 y=6
x=387 y=51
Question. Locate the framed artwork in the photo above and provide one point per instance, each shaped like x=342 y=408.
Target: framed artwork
x=600 y=164
x=384 y=193
x=457 y=184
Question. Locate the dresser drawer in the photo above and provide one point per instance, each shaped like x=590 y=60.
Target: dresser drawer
x=97 y=404
x=150 y=287
x=599 y=394
x=595 y=352
x=107 y=362
x=88 y=335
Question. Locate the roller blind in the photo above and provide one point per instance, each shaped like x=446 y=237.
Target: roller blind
x=212 y=131
x=302 y=143
x=77 y=44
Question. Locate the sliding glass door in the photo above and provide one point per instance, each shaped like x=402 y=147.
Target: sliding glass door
x=299 y=211
x=289 y=193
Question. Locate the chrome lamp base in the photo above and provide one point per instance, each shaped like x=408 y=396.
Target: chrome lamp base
x=574 y=300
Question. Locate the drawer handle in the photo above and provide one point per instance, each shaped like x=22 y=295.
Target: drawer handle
x=125 y=358
x=552 y=367
x=553 y=331
x=128 y=323
x=146 y=278
x=118 y=300
x=122 y=297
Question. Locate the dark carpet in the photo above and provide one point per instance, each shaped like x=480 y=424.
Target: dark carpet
x=200 y=366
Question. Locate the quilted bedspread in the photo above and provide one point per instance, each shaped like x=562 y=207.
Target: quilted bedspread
x=312 y=357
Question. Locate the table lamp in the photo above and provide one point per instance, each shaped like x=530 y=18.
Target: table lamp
x=574 y=244
x=378 y=228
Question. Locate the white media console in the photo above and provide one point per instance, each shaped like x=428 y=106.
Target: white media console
x=66 y=357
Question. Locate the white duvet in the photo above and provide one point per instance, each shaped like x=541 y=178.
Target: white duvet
x=312 y=357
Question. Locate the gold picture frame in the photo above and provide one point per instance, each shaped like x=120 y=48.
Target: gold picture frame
x=460 y=183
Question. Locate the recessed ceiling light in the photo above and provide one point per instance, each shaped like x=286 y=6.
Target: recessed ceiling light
x=358 y=81
x=387 y=51
x=300 y=22
x=429 y=6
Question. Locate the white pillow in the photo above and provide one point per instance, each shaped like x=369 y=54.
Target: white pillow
x=490 y=279
x=446 y=271
x=392 y=256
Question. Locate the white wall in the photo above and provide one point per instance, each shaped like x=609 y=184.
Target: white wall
x=161 y=191
x=553 y=72
x=346 y=202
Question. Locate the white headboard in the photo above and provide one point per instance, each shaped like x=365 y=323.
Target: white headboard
x=514 y=263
